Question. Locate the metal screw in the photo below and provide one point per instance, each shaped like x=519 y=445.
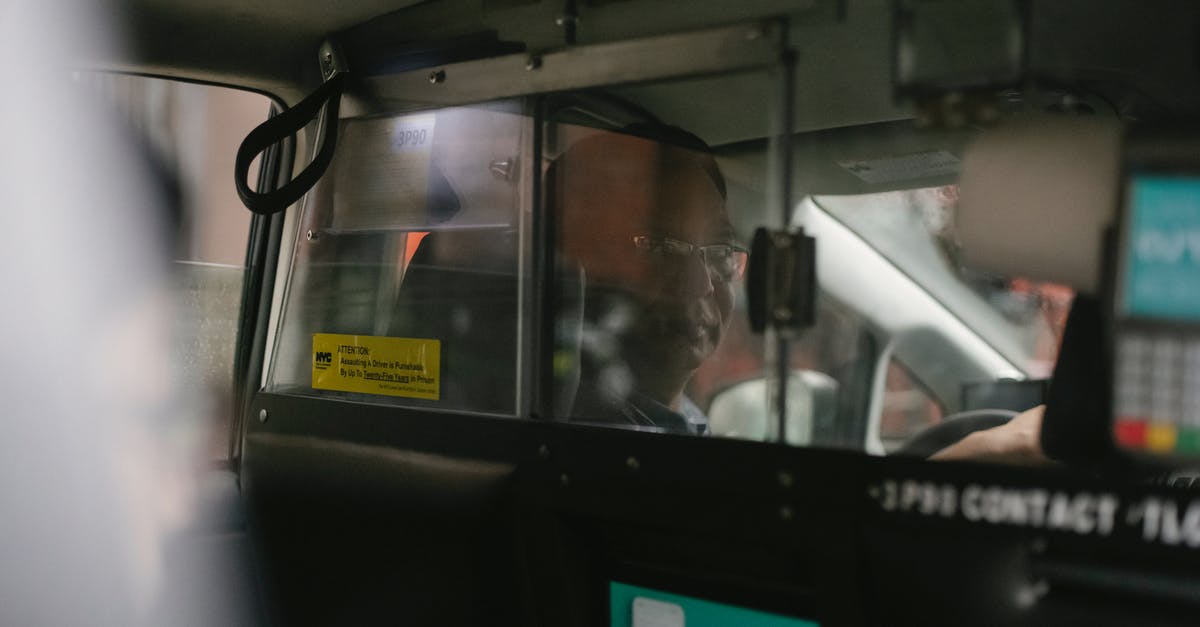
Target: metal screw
x=786 y=513
x=1038 y=546
x=327 y=64
x=632 y=463
x=544 y=452
x=502 y=169
x=534 y=62
x=437 y=76
x=262 y=415
x=564 y=479
x=1029 y=594
x=785 y=479
x=312 y=236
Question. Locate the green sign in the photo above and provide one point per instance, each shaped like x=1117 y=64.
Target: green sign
x=633 y=606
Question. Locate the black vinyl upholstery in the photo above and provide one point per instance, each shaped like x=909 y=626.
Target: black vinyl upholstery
x=461 y=288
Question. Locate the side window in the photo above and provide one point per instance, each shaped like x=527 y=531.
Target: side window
x=194 y=132
x=962 y=339
x=405 y=282
x=908 y=407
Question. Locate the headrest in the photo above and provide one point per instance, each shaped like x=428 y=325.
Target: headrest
x=1036 y=194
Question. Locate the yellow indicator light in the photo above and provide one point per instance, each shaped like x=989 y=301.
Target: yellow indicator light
x=1161 y=438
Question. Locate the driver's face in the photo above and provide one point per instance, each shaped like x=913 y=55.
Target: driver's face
x=684 y=304
x=622 y=188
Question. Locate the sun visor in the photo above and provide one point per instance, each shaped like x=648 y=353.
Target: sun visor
x=1035 y=196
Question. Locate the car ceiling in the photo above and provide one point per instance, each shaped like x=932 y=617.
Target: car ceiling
x=1137 y=63
x=264 y=44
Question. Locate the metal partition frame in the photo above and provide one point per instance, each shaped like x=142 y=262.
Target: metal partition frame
x=720 y=50
x=749 y=47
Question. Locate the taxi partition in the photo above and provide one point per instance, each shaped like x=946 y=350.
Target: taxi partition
x=457 y=426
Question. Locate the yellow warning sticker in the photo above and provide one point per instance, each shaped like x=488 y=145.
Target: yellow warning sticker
x=395 y=366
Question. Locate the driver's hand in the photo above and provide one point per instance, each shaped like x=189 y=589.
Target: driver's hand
x=1016 y=442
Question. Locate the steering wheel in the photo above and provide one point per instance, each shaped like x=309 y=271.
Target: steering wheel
x=953 y=428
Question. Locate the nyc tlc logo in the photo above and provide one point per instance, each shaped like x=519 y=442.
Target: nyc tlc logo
x=322 y=359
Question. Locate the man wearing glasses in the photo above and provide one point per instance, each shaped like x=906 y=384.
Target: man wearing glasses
x=643 y=225
x=642 y=215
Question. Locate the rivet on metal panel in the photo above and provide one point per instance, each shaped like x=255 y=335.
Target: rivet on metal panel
x=1038 y=546
x=330 y=61
x=503 y=169
x=312 y=235
x=1029 y=594
x=564 y=480
x=786 y=513
x=544 y=452
x=785 y=479
x=534 y=62
x=437 y=76
x=632 y=463
x=262 y=415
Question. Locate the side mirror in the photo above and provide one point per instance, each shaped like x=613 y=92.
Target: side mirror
x=743 y=410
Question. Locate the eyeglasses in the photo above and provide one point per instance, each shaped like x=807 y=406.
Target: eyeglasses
x=725 y=262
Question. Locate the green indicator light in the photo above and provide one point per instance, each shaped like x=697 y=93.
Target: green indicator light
x=1189 y=440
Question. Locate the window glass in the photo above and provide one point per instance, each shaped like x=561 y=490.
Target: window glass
x=952 y=330
x=406 y=275
x=193 y=132
x=908 y=408
x=655 y=191
x=914 y=230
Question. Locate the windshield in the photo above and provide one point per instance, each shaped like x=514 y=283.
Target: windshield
x=914 y=230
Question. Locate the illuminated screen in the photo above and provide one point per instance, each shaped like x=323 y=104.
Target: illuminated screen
x=1162 y=264
x=1157 y=377
x=633 y=606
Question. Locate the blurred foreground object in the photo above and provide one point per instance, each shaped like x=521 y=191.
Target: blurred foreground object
x=94 y=474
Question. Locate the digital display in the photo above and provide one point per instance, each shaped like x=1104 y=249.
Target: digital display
x=634 y=606
x=1157 y=345
x=1162 y=264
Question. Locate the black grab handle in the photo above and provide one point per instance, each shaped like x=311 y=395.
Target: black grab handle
x=285 y=125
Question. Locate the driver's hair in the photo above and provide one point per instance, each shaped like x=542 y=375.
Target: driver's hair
x=674 y=142
x=593 y=169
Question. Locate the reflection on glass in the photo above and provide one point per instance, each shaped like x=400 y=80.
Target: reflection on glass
x=915 y=230
x=408 y=251
x=951 y=331
x=652 y=218
x=644 y=225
